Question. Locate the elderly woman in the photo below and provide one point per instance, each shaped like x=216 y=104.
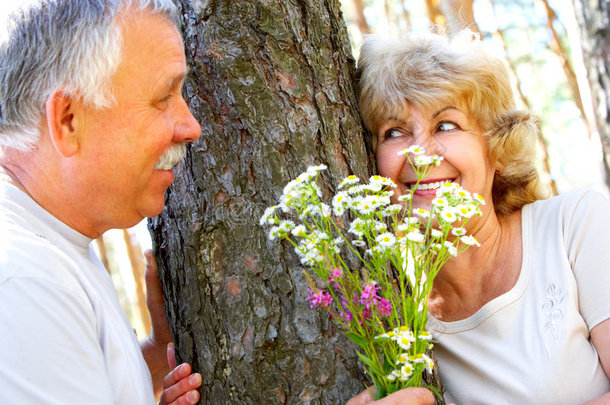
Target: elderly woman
x=524 y=318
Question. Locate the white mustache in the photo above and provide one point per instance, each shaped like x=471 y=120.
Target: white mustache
x=171 y=157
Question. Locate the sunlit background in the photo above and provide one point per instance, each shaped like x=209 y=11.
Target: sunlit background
x=539 y=41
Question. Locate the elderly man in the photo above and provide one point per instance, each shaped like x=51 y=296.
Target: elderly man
x=92 y=121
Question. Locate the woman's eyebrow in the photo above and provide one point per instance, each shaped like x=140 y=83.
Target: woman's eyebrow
x=439 y=112
x=396 y=119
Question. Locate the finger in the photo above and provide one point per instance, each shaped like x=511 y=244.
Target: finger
x=365 y=397
x=182 y=387
x=408 y=396
x=191 y=397
x=171 y=355
x=177 y=374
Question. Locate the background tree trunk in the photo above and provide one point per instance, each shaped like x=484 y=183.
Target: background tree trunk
x=459 y=15
x=593 y=18
x=272 y=86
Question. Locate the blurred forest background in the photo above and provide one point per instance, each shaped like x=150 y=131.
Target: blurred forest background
x=538 y=39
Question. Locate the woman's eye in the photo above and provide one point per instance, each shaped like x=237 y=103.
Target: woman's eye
x=446 y=126
x=393 y=133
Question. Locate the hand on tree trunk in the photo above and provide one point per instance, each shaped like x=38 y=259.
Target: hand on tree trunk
x=180 y=386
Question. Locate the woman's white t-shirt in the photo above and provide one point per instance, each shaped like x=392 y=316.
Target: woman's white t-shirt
x=531 y=345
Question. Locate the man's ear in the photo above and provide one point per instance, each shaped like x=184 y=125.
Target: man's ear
x=62 y=122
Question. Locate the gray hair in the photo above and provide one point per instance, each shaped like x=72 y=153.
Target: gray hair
x=68 y=45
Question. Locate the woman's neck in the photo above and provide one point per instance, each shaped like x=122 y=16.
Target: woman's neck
x=480 y=274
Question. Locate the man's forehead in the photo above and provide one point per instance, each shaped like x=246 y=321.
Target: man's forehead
x=153 y=51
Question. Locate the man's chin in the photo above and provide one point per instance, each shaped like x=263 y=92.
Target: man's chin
x=151 y=211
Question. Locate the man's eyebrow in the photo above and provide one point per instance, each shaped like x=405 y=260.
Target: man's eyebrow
x=442 y=110
x=175 y=82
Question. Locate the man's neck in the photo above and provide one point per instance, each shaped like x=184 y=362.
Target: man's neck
x=20 y=170
x=9 y=174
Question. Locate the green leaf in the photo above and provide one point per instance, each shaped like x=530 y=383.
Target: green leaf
x=359 y=340
x=381 y=391
x=388 y=365
x=435 y=390
x=367 y=361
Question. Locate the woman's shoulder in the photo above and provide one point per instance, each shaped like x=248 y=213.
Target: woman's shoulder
x=570 y=203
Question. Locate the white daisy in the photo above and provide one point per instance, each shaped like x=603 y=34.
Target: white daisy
x=478 y=198
x=300 y=231
x=268 y=217
x=436 y=233
x=358 y=243
x=448 y=215
x=458 y=231
x=349 y=180
x=469 y=240
x=386 y=240
x=415 y=236
x=405 y=372
x=422 y=213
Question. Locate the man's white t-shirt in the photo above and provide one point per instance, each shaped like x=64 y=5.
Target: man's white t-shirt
x=64 y=338
x=531 y=345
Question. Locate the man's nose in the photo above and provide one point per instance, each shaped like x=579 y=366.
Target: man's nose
x=187 y=128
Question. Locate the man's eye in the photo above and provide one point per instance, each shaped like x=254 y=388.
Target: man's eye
x=446 y=126
x=162 y=103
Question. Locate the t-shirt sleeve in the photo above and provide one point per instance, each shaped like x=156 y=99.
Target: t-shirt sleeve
x=49 y=352
x=588 y=245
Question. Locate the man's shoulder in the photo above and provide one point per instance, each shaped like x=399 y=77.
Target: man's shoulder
x=26 y=249
x=26 y=254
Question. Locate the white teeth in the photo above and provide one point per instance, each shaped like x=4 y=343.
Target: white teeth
x=431 y=186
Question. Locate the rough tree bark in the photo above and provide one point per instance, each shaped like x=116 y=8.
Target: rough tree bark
x=593 y=18
x=272 y=86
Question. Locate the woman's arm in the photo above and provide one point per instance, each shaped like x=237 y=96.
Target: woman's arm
x=600 y=337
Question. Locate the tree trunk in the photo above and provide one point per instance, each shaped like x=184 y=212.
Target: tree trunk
x=557 y=47
x=498 y=35
x=435 y=14
x=272 y=86
x=361 y=22
x=593 y=18
x=459 y=15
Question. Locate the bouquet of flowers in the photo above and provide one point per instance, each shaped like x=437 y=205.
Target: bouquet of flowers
x=382 y=305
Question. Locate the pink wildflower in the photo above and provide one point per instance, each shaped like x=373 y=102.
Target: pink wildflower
x=336 y=274
x=369 y=296
x=334 y=277
x=319 y=297
x=384 y=308
x=345 y=313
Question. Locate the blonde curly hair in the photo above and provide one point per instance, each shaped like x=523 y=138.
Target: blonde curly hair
x=430 y=69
